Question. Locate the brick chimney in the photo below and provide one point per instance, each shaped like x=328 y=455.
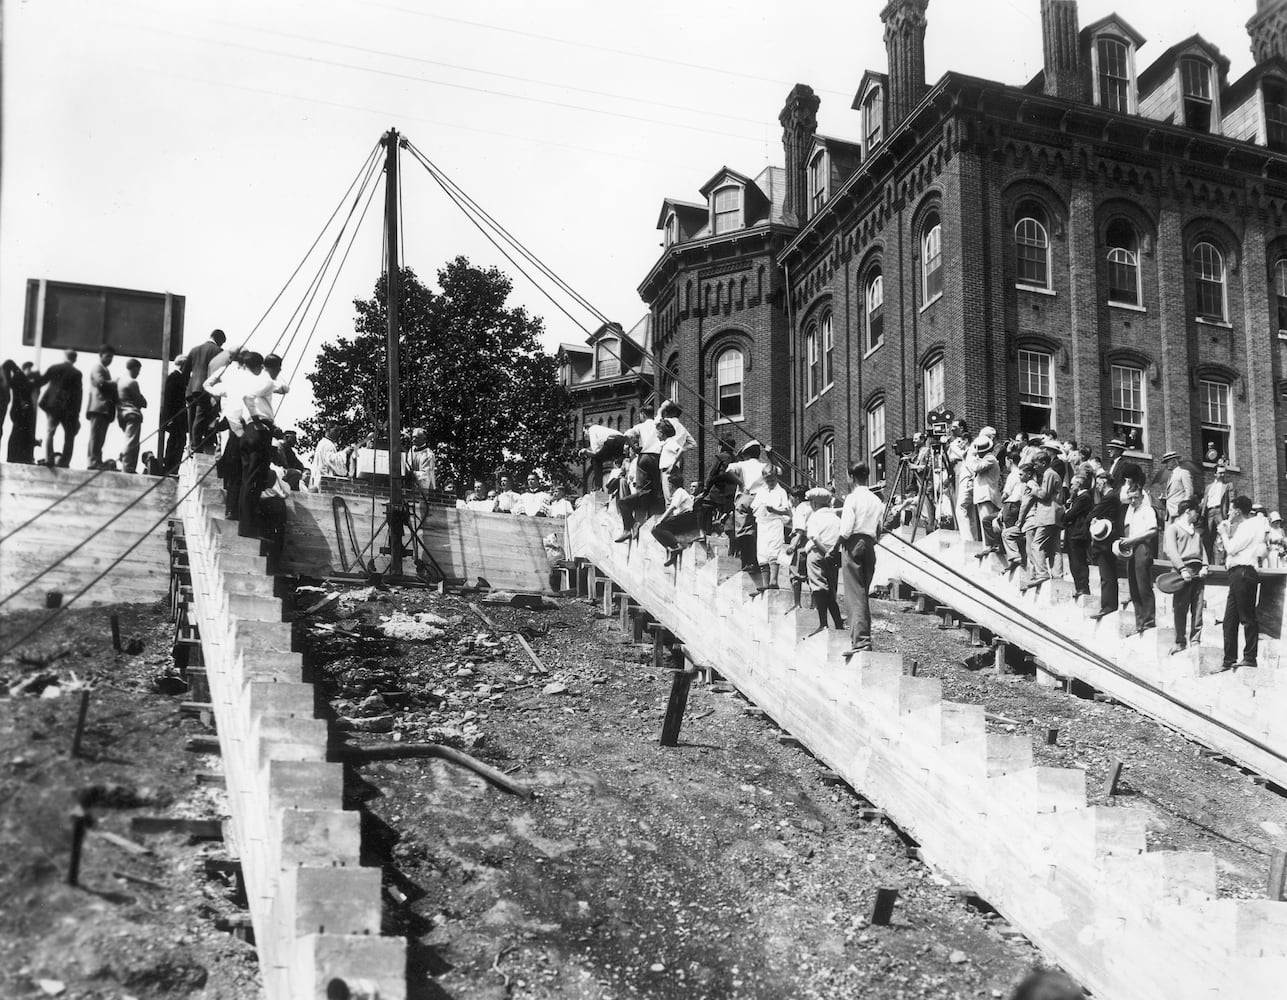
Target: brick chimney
x=1268 y=30
x=799 y=120
x=905 y=50
x=1060 y=45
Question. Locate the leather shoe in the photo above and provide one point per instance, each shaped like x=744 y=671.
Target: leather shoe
x=1099 y=614
x=1176 y=649
x=1245 y=663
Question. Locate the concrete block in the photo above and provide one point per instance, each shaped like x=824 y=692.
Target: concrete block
x=270 y=698
x=330 y=900
x=262 y=636
x=325 y=966
x=1042 y=789
x=319 y=836
x=253 y=607
x=289 y=737
x=1260 y=928
x=294 y=784
x=918 y=692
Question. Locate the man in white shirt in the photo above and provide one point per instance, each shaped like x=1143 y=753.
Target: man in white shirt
x=678 y=518
x=673 y=448
x=800 y=511
x=226 y=385
x=535 y=502
x=506 y=498
x=1244 y=545
x=1139 y=536
x=859 y=529
x=328 y=459
x=257 y=388
x=560 y=505
x=821 y=546
x=772 y=509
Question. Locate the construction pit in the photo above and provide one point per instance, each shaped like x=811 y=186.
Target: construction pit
x=733 y=864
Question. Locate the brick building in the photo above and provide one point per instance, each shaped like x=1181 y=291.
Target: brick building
x=1102 y=251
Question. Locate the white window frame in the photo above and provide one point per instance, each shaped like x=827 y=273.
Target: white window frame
x=933 y=378
x=873 y=119
x=610 y=360
x=818 y=182
x=828 y=469
x=1030 y=231
x=876 y=434
x=1125 y=257
x=1280 y=294
x=1207 y=421
x=826 y=351
x=873 y=301
x=1044 y=359
x=1207 y=94
x=812 y=364
x=1136 y=375
x=720 y=373
x=811 y=463
x=1209 y=270
x=672 y=229
x=932 y=253
x=718 y=228
x=1097 y=73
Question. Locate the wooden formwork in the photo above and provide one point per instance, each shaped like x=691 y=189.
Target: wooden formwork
x=316 y=909
x=1078 y=880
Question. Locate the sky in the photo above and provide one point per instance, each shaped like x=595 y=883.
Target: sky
x=199 y=147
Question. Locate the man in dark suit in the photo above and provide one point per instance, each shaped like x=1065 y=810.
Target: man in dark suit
x=1116 y=468
x=174 y=417
x=201 y=405
x=64 y=387
x=101 y=408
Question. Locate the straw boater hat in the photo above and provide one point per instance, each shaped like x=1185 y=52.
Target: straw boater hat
x=1100 y=528
x=983 y=445
x=818 y=493
x=1050 y=441
x=1170 y=455
x=988 y=432
x=1117 y=443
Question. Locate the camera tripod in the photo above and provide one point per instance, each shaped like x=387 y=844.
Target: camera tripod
x=927 y=489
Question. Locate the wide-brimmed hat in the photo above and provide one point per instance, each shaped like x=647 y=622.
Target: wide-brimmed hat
x=818 y=493
x=1100 y=528
x=983 y=445
x=1170 y=583
x=988 y=432
x=1050 y=441
x=1167 y=456
x=1117 y=443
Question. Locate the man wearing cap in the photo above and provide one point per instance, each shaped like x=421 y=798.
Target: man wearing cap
x=1276 y=539
x=821 y=546
x=1215 y=509
x=1179 y=484
x=1183 y=547
x=987 y=489
x=859 y=528
x=1244 y=546
x=1105 y=515
x=1139 y=536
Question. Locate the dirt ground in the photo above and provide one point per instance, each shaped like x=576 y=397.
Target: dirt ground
x=725 y=867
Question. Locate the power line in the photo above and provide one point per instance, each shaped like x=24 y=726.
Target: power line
x=600 y=48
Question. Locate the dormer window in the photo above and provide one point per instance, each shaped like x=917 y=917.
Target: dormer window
x=1276 y=115
x=606 y=363
x=873 y=119
x=817 y=182
x=1195 y=85
x=1113 y=74
x=727 y=209
x=672 y=229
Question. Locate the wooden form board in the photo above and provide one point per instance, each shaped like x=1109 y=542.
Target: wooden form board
x=509 y=552
x=315 y=909
x=1078 y=880
x=70 y=506
x=1242 y=713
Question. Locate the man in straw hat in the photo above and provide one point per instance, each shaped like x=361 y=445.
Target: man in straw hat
x=859 y=528
x=1179 y=484
x=1215 y=509
x=987 y=488
x=1183 y=546
x=1140 y=534
x=1104 y=515
x=1244 y=546
x=822 y=551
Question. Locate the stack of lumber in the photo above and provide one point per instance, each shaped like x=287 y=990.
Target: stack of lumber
x=316 y=909
x=1078 y=880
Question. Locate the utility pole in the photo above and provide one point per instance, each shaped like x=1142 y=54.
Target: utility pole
x=393 y=294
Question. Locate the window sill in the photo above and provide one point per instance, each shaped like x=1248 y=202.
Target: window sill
x=931 y=302
x=873 y=350
x=1218 y=323
x=1138 y=454
x=825 y=389
x=728 y=420
x=1036 y=290
x=1227 y=468
x=1129 y=307
x=1282 y=334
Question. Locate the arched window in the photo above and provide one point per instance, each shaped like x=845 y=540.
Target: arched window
x=1208 y=278
x=606 y=364
x=811 y=464
x=812 y=372
x=817 y=182
x=1032 y=248
x=1280 y=292
x=875 y=299
x=728 y=209
x=827 y=470
x=876 y=439
x=934 y=393
x=728 y=377
x=827 y=347
x=1123 y=263
x=1215 y=419
x=1114 y=74
x=1036 y=391
x=932 y=259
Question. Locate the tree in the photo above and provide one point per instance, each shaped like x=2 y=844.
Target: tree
x=471 y=373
